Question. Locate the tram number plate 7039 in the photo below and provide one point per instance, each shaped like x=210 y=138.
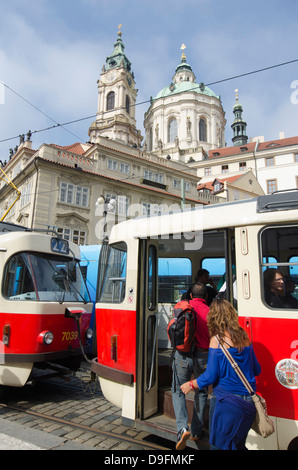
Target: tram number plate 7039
x=69 y=335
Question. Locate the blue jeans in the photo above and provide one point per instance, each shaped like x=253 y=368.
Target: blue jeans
x=183 y=367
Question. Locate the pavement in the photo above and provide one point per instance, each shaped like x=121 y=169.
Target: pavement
x=16 y=436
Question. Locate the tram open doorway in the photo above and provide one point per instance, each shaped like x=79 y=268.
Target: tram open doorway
x=163 y=422
x=168 y=270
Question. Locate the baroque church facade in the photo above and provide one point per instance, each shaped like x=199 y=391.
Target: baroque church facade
x=183 y=148
x=185 y=119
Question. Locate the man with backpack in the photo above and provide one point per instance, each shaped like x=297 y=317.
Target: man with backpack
x=187 y=363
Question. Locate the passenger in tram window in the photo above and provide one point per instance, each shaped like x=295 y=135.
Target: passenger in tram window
x=184 y=365
x=204 y=276
x=232 y=410
x=289 y=300
x=274 y=288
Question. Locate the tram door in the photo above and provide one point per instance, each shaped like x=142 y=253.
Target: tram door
x=148 y=360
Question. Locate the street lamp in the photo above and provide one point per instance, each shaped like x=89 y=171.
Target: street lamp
x=108 y=204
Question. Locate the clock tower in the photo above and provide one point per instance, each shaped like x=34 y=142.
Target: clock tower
x=117 y=95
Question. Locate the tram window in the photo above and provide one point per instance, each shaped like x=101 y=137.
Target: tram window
x=279 y=255
x=152 y=265
x=113 y=280
x=216 y=268
x=174 y=278
x=34 y=276
x=150 y=370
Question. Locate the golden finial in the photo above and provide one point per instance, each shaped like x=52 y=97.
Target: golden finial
x=236 y=91
x=119 y=29
x=182 y=48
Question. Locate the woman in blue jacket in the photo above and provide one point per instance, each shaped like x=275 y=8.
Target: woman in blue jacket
x=231 y=408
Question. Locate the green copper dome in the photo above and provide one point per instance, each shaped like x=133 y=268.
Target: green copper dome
x=184 y=86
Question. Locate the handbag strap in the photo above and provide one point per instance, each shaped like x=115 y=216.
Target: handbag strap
x=236 y=367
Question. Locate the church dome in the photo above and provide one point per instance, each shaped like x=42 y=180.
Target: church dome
x=184 y=86
x=184 y=80
x=185 y=119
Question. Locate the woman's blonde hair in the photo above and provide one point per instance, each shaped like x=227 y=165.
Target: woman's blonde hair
x=223 y=318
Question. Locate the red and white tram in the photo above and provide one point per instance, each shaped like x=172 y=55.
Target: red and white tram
x=150 y=261
x=45 y=308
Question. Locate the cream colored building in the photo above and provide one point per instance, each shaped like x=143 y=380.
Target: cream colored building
x=274 y=163
x=60 y=186
x=240 y=186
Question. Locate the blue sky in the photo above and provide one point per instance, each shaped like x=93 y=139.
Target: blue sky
x=52 y=53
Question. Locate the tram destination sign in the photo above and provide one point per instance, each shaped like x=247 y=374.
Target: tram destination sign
x=59 y=245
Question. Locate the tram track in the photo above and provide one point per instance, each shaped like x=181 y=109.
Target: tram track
x=42 y=407
x=144 y=445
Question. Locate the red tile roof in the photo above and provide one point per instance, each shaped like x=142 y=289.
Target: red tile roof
x=76 y=148
x=250 y=147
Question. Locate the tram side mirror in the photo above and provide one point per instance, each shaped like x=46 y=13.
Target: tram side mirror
x=74 y=313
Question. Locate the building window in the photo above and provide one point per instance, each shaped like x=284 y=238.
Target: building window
x=296 y=157
x=25 y=195
x=150 y=140
x=225 y=169
x=72 y=194
x=242 y=166
x=152 y=176
x=149 y=209
x=202 y=130
x=110 y=101
x=269 y=161
x=176 y=183
x=77 y=236
x=127 y=104
x=122 y=204
x=172 y=130
x=207 y=171
x=114 y=165
x=271 y=186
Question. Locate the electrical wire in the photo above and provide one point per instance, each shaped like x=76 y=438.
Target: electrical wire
x=56 y=125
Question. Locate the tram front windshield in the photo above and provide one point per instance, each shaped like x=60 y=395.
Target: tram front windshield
x=35 y=276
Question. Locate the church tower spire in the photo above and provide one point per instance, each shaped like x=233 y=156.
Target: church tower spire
x=117 y=95
x=239 y=125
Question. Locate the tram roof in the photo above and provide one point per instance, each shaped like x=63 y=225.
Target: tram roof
x=274 y=208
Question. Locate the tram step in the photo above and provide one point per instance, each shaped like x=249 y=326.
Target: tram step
x=166 y=405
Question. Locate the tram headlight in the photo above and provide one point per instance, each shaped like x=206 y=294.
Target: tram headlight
x=89 y=333
x=45 y=337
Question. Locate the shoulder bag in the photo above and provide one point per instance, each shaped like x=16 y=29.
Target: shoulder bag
x=262 y=424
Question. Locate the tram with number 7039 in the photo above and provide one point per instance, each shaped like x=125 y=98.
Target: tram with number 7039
x=149 y=262
x=45 y=308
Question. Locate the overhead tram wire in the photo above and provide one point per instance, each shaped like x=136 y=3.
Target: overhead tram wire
x=40 y=111
x=137 y=104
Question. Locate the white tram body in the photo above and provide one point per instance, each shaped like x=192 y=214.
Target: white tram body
x=236 y=242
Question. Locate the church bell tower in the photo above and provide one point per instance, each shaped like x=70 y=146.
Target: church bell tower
x=117 y=95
